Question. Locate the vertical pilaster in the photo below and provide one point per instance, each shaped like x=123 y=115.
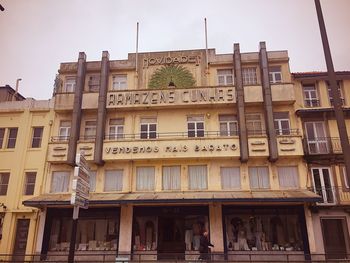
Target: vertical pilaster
x=216 y=233
x=40 y=233
x=125 y=230
x=101 y=112
x=265 y=79
x=242 y=129
x=76 y=116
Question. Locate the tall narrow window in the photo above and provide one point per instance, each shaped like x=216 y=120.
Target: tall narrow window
x=29 y=183
x=281 y=121
x=254 y=124
x=225 y=77
x=171 y=177
x=64 y=131
x=197 y=176
x=316 y=137
x=275 y=74
x=60 y=182
x=90 y=130
x=340 y=92
x=12 y=137
x=148 y=128
x=2 y=135
x=120 y=82
x=195 y=126
x=4 y=182
x=310 y=96
x=116 y=129
x=345 y=177
x=93 y=175
x=145 y=178
x=259 y=177
x=37 y=137
x=323 y=184
x=94 y=83
x=249 y=76
x=70 y=84
x=230 y=178
x=288 y=176
x=113 y=180
x=228 y=125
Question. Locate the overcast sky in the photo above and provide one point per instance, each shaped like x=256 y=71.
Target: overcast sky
x=37 y=35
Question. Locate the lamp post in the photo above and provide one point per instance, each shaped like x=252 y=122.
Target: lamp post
x=337 y=102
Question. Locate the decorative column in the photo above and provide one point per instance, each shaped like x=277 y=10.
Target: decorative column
x=125 y=230
x=216 y=232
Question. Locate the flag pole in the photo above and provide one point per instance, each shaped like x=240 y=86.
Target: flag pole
x=206 y=52
x=136 y=55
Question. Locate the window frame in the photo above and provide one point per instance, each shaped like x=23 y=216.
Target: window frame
x=116 y=135
x=148 y=133
x=90 y=127
x=279 y=129
x=220 y=74
x=119 y=85
x=197 y=132
x=119 y=173
x=273 y=73
x=138 y=187
x=66 y=130
x=94 y=83
x=4 y=185
x=9 y=138
x=36 y=141
x=171 y=175
x=2 y=137
x=198 y=188
x=69 y=86
x=341 y=93
x=68 y=174
x=249 y=76
x=255 y=132
x=309 y=101
x=226 y=123
x=230 y=187
x=29 y=184
x=296 y=175
x=260 y=180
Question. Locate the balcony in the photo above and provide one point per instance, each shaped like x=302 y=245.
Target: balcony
x=64 y=101
x=86 y=144
x=289 y=143
x=258 y=143
x=283 y=93
x=170 y=145
x=322 y=146
x=253 y=94
x=58 y=149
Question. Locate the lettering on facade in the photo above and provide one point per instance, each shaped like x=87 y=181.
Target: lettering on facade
x=167 y=60
x=170 y=149
x=159 y=97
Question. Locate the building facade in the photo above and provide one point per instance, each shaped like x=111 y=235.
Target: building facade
x=24 y=134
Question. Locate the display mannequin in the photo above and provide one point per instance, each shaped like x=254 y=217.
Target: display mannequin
x=242 y=237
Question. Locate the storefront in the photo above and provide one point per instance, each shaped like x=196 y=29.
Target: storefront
x=98 y=230
x=168 y=232
x=280 y=229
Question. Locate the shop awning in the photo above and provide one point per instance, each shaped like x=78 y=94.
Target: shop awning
x=179 y=197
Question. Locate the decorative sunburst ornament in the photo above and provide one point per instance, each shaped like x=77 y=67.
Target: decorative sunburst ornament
x=175 y=75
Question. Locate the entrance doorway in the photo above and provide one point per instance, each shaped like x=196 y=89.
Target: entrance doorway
x=20 y=246
x=171 y=237
x=335 y=244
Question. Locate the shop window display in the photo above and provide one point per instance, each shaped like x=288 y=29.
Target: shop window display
x=263 y=230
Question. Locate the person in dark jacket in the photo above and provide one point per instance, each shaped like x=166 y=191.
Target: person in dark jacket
x=204 y=246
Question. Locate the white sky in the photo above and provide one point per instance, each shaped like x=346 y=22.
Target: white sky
x=37 y=35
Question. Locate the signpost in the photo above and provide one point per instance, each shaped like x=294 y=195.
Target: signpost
x=79 y=197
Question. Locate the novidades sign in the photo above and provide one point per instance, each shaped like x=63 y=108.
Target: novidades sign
x=171 y=97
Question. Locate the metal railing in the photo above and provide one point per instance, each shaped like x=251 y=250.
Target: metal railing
x=59 y=139
x=328 y=194
x=309 y=103
x=231 y=256
x=322 y=145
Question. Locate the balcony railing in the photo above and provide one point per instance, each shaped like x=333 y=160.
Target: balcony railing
x=309 y=103
x=322 y=145
x=292 y=132
x=170 y=135
x=59 y=138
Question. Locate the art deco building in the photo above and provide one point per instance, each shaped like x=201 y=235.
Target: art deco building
x=179 y=142
x=24 y=134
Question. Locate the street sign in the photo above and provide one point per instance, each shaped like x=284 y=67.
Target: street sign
x=81 y=183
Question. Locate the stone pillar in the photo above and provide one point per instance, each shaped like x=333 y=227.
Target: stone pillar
x=265 y=81
x=310 y=229
x=76 y=116
x=40 y=229
x=242 y=129
x=101 y=112
x=125 y=230
x=216 y=232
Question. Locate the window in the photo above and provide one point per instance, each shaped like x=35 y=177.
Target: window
x=275 y=74
x=29 y=183
x=225 y=77
x=120 y=82
x=90 y=130
x=12 y=137
x=171 y=177
x=310 y=96
x=282 y=125
x=145 y=178
x=116 y=129
x=316 y=137
x=249 y=76
x=4 y=182
x=259 y=177
x=64 y=131
x=94 y=83
x=2 y=135
x=148 y=128
x=340 y=92
x=323 y=184
x=230 y=178
x=254 y=124
x=60 y=181
x=195 y=126
x=345 y=177
x=288 y=176
x=197 y=175
x=70 y=84
x=93 y=181
x=228 y=125
x=37 y=137
x=113 y=180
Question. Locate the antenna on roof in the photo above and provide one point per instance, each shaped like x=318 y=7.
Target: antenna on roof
x=136 y=55
x=206 y=51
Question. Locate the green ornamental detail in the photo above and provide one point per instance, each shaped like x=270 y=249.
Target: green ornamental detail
x=178 y=75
